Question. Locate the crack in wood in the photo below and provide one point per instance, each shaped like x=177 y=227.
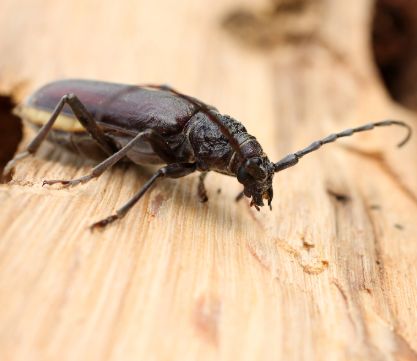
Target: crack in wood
x=385 y=167
x=347 y=302
x=283 y=21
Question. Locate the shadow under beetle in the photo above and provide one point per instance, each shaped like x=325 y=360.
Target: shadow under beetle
x=153 y=124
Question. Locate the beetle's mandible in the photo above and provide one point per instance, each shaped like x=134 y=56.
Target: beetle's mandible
x=152 y=124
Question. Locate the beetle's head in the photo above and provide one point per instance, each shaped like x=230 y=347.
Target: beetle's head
x=256 y=176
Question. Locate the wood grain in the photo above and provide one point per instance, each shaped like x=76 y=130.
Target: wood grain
x=330 y=274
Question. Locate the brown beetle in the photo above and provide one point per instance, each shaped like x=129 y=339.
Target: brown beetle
x=156 y=125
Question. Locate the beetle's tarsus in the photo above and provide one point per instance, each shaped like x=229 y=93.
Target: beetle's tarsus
x=104 y=222
x=253 y=204
x=54 y=181
x=66 y=183
x=201 y=189
x=12 y=163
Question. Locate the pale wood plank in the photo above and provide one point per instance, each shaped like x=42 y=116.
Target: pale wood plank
x=316 y=279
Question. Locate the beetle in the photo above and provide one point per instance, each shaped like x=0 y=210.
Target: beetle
x=155 y=124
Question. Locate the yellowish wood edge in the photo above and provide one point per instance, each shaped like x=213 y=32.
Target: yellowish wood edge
x=39 y=117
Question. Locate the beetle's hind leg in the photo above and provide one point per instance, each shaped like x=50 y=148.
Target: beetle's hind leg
x=157 y=143
x=83 y=116
x=175 y=170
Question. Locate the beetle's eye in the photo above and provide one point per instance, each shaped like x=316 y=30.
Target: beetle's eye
x=243 y=176
x=254 y=167
x=257 y=161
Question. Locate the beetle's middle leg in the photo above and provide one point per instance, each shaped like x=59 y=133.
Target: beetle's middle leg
x=157 y=143
x=174 y=170
x=83 y=116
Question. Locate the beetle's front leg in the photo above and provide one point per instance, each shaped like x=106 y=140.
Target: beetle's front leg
x=157 y=143
x=175 y=170
x=239 y=196
x=201 y=189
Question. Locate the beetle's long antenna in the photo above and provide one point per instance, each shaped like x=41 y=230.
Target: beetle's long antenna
x=222 y=122
x=292 y=159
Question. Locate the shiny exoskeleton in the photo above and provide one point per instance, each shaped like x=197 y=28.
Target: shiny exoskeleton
x=156 y=125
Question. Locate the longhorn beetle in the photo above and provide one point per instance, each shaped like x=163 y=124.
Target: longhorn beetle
x=153 y=124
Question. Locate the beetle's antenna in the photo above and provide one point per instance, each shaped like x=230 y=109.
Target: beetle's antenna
x=223 y=122
x=292 y=159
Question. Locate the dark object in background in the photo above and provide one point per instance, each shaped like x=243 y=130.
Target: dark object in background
x=153 y=124
x=10 y=131
x=394 y=40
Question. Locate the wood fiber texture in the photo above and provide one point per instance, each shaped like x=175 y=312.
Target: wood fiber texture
x=329 y=274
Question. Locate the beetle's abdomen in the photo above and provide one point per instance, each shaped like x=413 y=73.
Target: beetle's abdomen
x=115 y=106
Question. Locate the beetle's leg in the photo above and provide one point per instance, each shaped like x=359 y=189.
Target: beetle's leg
x=83 y=116
x=292 y=159
x=175 y=170
x=201 y=189
x=239 y=196
x=113 y=159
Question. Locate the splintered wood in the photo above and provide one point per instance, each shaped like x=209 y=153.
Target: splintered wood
x=329 y=274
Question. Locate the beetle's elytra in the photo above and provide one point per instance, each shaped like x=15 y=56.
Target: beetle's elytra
x=156 y=125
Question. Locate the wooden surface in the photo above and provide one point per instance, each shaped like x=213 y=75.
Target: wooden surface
x=322 y=277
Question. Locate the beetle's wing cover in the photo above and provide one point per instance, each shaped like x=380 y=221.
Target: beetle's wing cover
x=126 y=108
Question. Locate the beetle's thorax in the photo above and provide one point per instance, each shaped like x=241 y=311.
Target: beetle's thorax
x=249 y=163
x=219 y=142
x=222 y=144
